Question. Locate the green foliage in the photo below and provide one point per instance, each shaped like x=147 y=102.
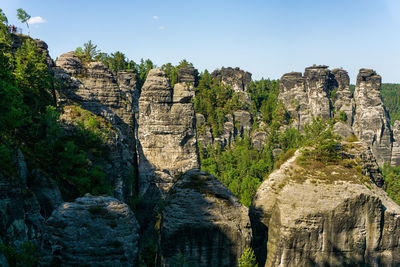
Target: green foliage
x=23 y=17
x=29 y=122
x=88 y=53
x=391 y=97
x=248 y=258
x=240 y=167
x=264 y=98
x=215 y=100
x=27 y=255
x=324 y=142
x=392 y=179
x=172 y=71
x=342 y=116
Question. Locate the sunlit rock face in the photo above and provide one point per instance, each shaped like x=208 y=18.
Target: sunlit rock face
x=324 y=216
x=371 y=122
x=167 y=144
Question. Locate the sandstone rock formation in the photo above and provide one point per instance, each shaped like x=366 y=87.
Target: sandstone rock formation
x=342 y=99
x=94 y=231
x=320 y=90
x=20 y=218
x=236 y=78
x=114 y=97
x=371 y=122
x=188 y=75
x=294 y=96
x=324 y=216
x=204 y=222
x=166 y=131
x=395 y=160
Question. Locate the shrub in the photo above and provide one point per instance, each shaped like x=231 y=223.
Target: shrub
x=248 y=259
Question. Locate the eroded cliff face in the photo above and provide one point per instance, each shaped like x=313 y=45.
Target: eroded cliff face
x=324 y=93
x=371 y=122
x=111 y=96
x=167 y=144
x=328 y=215
x=203 y=222
x=92 y=231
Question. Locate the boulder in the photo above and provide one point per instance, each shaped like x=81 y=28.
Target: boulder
x=203 y=223
x=94 y=231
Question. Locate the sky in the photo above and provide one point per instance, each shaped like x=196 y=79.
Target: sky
x=267 y=38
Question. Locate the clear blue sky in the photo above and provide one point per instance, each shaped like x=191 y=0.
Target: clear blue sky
x=267 y=38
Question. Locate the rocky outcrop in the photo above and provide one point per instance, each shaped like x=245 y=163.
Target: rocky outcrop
x=166 y=131
x=371 y=122
x=395 y=160
x=238 y=79
x=317 y=82
x=112 y=96
x=94 y=231
x=341 y=97
x=294 y=96
x=244 y=120
x=188 y=75
x=203 y=222
x=324 y=215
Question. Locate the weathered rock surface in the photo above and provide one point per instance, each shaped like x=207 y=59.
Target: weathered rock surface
x=93 y=231
x=326 y=216
x=204 y=222
x=166 y=131
x=236 y=78
x=294 y=96
x=114 y=97
x=395 y=160
x=371 y=122
x=259 y=139
x=188 y=75
x=342 y=99
x=318 y=89
x=343 y=129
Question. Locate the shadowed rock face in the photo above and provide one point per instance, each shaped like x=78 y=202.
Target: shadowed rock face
x=371 y=122
x=188 y=75
x=112 y=96
x=303 y=220
x=94 y=231
x=204 y=222
x=166 y=132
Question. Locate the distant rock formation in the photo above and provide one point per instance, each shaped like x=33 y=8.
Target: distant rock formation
x=238 y=79
x=167 y=144
x=325 y=216
x=94 y=231
x=203 y=222
x=188 y=75
x=324 y=93
x=371 y=122
x=112 y=96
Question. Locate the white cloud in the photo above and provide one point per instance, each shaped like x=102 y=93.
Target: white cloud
x=36 y=20
x=155 y=17
x=161 y=28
